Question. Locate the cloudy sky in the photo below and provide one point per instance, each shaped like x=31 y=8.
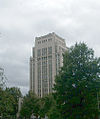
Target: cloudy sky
x=22 y=20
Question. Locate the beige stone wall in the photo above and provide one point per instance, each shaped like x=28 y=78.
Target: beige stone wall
x=58 y=47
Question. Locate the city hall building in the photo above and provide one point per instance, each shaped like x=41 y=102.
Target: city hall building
x=45 y=63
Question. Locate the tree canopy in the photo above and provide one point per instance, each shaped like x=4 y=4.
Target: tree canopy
x=8 y=98
x=9 y=102
x=77 y=84
x=30 y=105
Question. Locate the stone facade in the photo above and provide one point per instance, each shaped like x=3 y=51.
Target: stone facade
x=45 y=63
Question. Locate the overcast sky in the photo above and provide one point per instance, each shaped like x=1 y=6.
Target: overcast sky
x=22 y=20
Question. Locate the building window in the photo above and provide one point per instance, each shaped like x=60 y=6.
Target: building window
x=49 y=50
x=39 y=42
x=50 y=39
x=57 y=63
x=50 y=73
x=44 y=51
x=56 y=48
x=39 y=52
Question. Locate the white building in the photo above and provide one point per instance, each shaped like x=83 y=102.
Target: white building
x=45 y=63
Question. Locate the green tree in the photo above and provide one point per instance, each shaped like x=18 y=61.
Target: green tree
x=77 y=84
x=9 y=102
x=30 y=105
x=51 y=107
x=15 y=93
x=8 y=98
x=47 y=107
x=54 y=112
x=6 y=104
x=46 y=104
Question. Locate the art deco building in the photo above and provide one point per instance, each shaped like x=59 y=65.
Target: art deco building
x=45 y=63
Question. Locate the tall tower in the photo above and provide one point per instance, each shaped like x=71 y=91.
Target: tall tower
x=45 y=63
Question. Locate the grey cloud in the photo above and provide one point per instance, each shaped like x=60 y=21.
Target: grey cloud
x=22 y=20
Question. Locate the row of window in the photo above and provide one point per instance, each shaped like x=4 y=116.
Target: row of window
x=44 y=58
x=46 y=76
x=57 y=63
x=44 y=51
x=44 y=90
x=43 y=73
x=46 y=40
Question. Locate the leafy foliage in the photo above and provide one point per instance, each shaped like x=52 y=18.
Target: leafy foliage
x=9 y=102
x=46 y=104
x=15 y=93
x=30 y=105
x=53 y=112
x=39 y=106
x=77 y=84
